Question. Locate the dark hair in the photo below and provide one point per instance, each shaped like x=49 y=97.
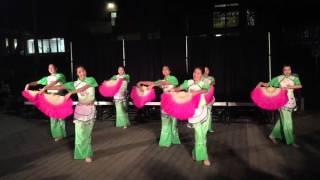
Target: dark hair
x=199 y=69
x=166 y=67
x=286 y=65
x=53 y=65
x=80 y=66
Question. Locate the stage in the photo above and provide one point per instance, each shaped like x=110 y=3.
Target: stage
x=237 y=151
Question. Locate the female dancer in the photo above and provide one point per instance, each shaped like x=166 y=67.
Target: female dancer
x=169 y=131
x=122 y=119
x=210 y=80
x=199 y=121
x=85 y=112
x=57 y=126
x=284 y=126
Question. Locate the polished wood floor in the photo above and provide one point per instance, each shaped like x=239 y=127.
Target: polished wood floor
x=237 y=151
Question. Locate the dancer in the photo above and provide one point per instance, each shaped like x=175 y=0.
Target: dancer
x=210 y=80
x=284 y=126
x=199 y=122
x=57 y=126
x=120 y=99
x=85 y=112
x=169 y=131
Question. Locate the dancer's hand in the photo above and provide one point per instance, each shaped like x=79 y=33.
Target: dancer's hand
x=42 y=91
x=259 y=84
x=290 y=87
x=26 y=87
x=67 y=96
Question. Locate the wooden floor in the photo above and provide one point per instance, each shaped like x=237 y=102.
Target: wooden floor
x=237 y=150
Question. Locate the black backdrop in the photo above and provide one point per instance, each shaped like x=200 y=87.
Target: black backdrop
x=237 y=62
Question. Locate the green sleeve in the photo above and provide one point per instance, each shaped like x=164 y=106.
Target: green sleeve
x=43 y=81
x=127 y=77
x=114 y=77
x=69 y=86
x=184 y=85
x=205 y=86
x=91 y=81
x=296 y=81
x=213 y=81
x=173 y=80
x=157 y=81
x=61 y=78
x=274 y=82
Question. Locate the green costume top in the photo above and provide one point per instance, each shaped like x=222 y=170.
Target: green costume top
x=191 y=85
x=276 y=81
x=52 y=78
x=201 y=113
x=122 y=93
x=170 y=79
x=210 y=80
x=86 y=96
x=283 y=81
x=124 y=76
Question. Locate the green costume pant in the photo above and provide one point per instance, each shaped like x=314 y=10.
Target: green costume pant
x=284 y=127
x=169 y=131
x=122 y=118
x=83 y=147
x=200 y=152
x=210 y=118
x=58 y=128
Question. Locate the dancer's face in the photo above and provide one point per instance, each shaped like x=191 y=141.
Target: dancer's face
x=206 y=71
x=121 y=71
x=52 y=69
x=286 y=70
x=81 y=72
x=197 y=74
x=165 y=71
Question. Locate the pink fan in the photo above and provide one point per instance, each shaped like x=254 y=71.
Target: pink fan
x=181 y=105
x=269 y=98
x=54 y=106
x=110 y=88
x=209 y=96
x=141 y=95
x=30 y=95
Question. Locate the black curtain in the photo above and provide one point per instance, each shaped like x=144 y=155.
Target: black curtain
x=238 y=63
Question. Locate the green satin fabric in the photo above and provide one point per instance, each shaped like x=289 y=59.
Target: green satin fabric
x=210 y=122
x=58 y=128
x=122 y=119
x=284 y=127
x=169 y=131
x=83 y=148
x=200 y=151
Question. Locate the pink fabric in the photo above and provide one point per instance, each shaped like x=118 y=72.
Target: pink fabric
x=28 y=96
x=110 y=91
x=181 y=111
x=60 y=111
x=138 y=100
x=269 y=102
x=209 y=96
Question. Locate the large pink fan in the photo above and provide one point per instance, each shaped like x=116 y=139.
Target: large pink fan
x=181 y=105
x=110 y=88
x=30 y=95
x=269 y=98
x=141 y=95
x=54 y=106
x=209 y=96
